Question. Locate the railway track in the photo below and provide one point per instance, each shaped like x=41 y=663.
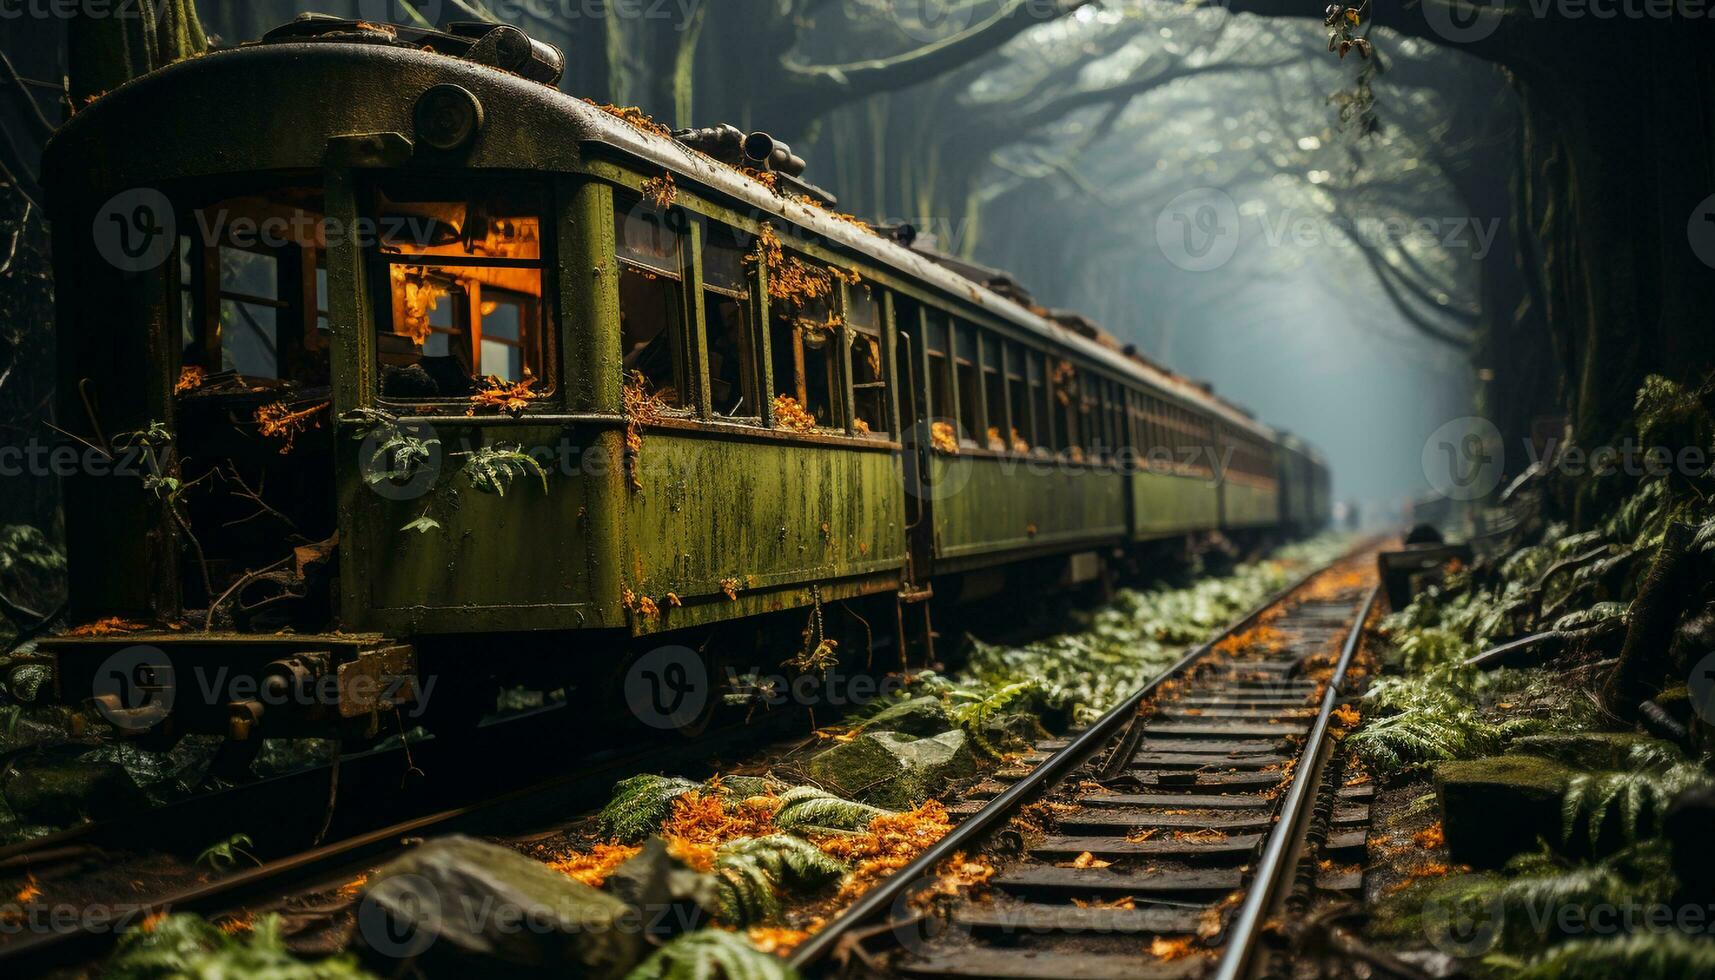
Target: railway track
x=1182 y=820
x=1230 y=741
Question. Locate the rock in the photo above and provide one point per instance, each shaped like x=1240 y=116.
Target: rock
x=892 y=769
x=1587 y=751
x=672 y=897
x=921 y=716
x=1494 y=808
x=458 y=906
x=57 y=785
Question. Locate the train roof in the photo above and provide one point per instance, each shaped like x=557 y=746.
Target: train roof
x=274 y=122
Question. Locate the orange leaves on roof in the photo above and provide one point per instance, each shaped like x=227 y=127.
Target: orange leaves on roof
x=277 y=420
x=634 y=117
x=511 y=397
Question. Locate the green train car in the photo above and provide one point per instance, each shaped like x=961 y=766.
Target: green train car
x=331 y=287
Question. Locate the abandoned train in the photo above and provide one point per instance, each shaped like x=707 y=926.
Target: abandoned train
x=331 y=326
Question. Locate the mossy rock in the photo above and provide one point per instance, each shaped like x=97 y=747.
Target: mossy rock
x=458 y=906
x=1494 y=808
x=921 y=716
x=892 y=769
x=1586 y=751
x=56 y=786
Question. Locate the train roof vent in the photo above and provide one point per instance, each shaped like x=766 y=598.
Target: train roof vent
x=755 y=151
x=499 y=46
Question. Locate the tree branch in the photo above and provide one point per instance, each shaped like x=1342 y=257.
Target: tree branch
x=836 y=84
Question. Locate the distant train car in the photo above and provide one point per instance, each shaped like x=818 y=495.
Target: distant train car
x=337 y=325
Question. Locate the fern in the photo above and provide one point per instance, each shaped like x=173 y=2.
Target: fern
x=398 y=450
x=1650 y=955
x=492 y=469
x=806 y=810
x=1654 y=776
x=184 y=945
x=640 y=804
x=1433 y=719
x=975 y=715
x=752 y=871
x=708 y=954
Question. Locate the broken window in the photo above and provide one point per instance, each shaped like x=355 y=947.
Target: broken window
x=869 y=387
x=245 y=301
x=727 y=311
x=804 y=341
x=1041 y=400
x=463 y=307
x=1021 y=437
x=970 y=388
x=940 y=367
x=994 y=393
x=650 y=247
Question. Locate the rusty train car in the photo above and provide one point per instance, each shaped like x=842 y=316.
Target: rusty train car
x=331 y=286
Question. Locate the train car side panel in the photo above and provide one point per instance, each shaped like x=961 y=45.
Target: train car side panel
x=1166 y=503
x=986 y=508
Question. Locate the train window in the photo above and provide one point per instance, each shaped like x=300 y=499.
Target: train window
x=1040 y=397
x=935 y=344
x=242 y=298
x=994 y=392
x=804 y=340
x=970 y=391
x=650 y=246
x=464 y=281
x=869 y=386
x=733 y=385
x=1089 y=421
x=1064 y=381
x=1021 y=437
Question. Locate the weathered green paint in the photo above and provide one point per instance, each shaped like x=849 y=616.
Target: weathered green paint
x=770 y=513
x=1246 y=505
x=1166 y=503
x=989 y=506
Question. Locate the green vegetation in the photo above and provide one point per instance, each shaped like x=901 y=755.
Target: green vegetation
x=753 y=871
x=1616 y=615
x=711 y=953
x=184 y=945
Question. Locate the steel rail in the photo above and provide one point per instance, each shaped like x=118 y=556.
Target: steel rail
x=1002 y=807
x=1274 y=872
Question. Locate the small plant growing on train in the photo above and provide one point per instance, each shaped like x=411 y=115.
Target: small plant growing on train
x=492 y=469
x=398 y=450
